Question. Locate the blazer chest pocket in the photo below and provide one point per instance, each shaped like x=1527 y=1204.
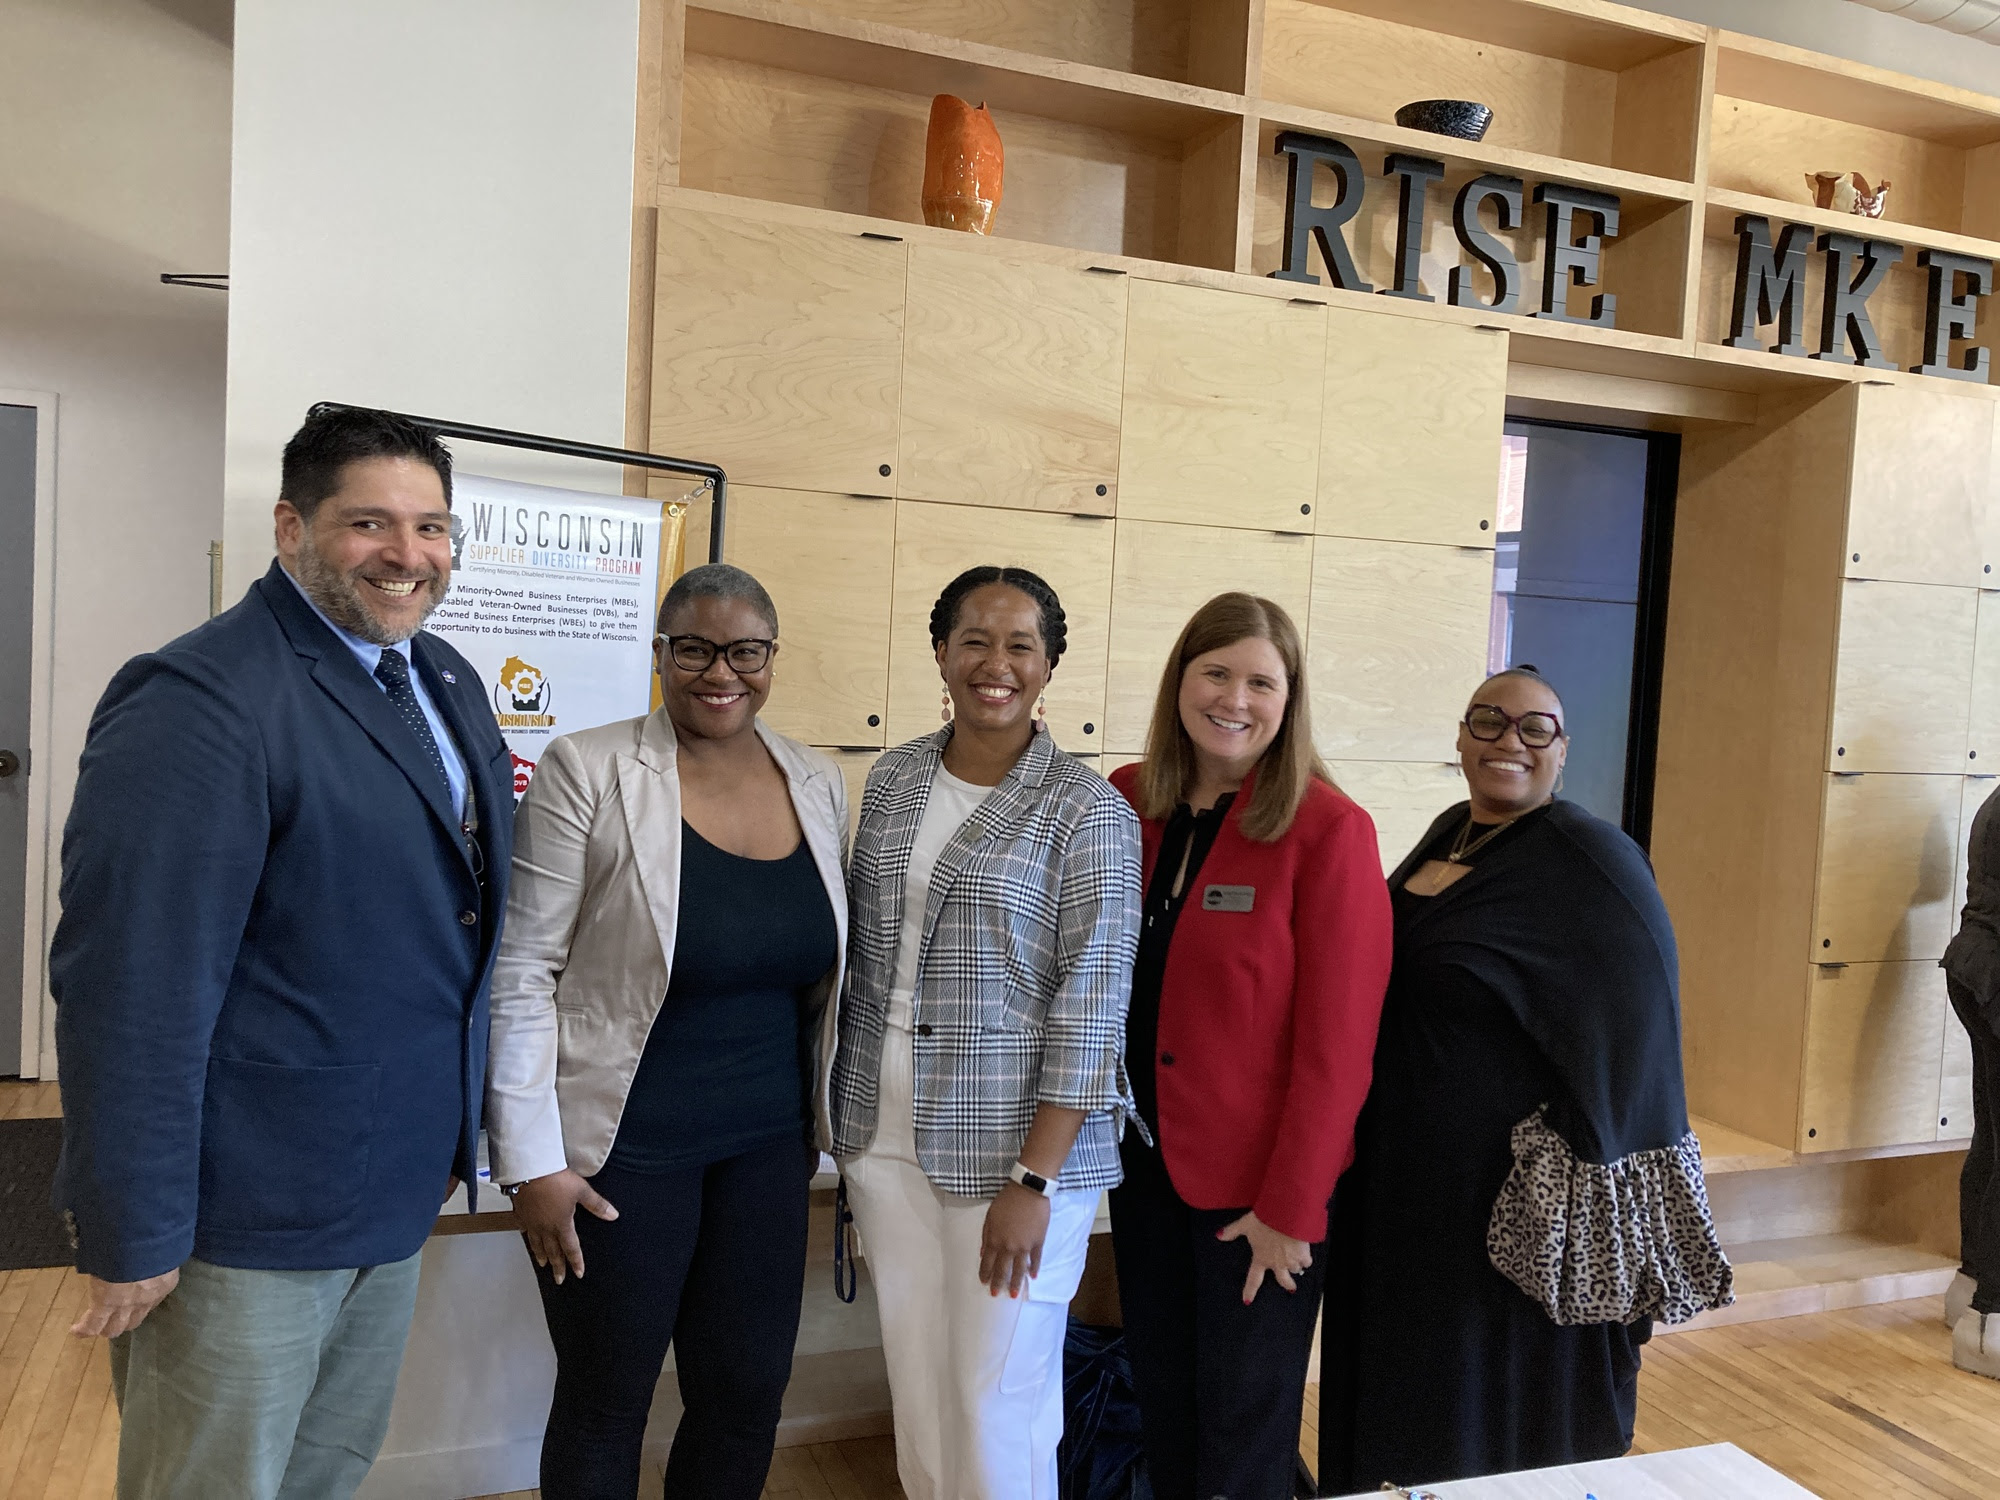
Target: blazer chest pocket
x=282 y=1147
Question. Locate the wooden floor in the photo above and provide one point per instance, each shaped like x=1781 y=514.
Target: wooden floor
x=1856 y=1405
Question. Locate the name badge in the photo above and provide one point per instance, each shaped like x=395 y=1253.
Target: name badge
x=1228 y=898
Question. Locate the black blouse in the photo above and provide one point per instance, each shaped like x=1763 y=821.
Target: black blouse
x=725 y=1067
x=1189 y=835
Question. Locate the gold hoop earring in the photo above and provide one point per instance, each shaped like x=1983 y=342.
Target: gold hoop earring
x=1559 y=779
x=944 y=713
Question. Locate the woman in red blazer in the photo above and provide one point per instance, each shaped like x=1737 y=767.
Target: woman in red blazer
x=1263 y=957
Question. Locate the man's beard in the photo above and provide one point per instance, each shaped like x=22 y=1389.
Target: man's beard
x=340 y=599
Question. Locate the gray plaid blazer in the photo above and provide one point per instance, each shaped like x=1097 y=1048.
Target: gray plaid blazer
x=1024 y=973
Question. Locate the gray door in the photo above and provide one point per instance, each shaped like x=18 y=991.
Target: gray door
x=17 y=615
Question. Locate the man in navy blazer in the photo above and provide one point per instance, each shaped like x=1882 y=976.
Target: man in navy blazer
x=282 y=883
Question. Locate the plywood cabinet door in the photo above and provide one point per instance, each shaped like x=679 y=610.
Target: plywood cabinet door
x=1222 y=408
x=1403 y=797
x=1871 y=1071
x=1888 y=845
x=854 y=768
x=1917 y=503
x=1398 y=643
x=1410 y=447
x=935 y=543
x=1163 y=573
x=1973 y=795
x=1983 y=731
x=1903 y=677
x=827 y=561
x=1012 y=374
x=778 y=351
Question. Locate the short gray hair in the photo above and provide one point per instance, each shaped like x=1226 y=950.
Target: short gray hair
x=717 y=581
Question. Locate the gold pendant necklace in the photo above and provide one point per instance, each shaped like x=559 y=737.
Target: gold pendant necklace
x=1448 y=870
x=1460 y=850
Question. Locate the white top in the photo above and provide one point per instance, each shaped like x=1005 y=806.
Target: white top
x=950 y=803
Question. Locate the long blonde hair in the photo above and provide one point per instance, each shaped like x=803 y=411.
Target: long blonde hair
x=1289 y=764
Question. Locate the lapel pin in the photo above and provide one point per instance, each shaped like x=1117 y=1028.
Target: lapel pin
x=448 y=677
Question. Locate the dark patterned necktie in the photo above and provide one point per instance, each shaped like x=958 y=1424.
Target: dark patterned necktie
x=394 y=674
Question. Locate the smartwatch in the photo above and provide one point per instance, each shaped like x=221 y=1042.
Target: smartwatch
x=1034 y=1182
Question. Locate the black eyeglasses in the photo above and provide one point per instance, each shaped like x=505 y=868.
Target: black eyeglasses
x=1538 y=731
x=696 y=653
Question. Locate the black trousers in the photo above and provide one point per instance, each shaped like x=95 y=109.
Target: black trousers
x=711 y=1260
x=1221 y=1386
x=1979 y=1180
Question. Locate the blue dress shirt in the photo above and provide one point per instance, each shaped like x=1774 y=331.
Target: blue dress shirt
x=370 y=656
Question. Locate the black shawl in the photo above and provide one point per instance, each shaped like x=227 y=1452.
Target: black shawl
x=1605 y=1216
x=1564 y=923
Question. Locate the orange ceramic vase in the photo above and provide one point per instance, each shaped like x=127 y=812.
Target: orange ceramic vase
x=963 y=164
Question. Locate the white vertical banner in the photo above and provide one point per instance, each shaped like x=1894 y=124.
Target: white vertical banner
x=552 y=599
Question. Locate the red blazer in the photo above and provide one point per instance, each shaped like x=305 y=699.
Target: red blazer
x=1268 y=1017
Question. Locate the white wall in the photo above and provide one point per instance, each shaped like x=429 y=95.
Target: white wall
x=1844 y=29
x=116 y=119
x=432 y=212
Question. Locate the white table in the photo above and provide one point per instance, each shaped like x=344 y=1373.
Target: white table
x=1721 y=1470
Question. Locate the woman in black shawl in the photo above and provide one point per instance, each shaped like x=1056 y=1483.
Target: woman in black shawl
x=1526 y=1195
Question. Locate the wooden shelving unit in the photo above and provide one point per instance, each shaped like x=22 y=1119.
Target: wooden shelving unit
x=1145 y=129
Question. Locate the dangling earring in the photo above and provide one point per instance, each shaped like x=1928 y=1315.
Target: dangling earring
x=944 y=713
x=1042 y=712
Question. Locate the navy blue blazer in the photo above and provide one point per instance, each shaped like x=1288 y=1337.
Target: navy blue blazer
x=272 y=965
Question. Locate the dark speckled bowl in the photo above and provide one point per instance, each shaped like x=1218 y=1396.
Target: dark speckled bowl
x=1455 y=117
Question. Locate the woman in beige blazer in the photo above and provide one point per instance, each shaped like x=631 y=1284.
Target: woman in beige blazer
x=663 y=1015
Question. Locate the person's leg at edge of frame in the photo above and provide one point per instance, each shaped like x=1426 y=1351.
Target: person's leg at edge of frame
x=1979 y=1180
x=900 y=1217
x=737 y=1328
x=1151 y=1241
x=1250 y=1365
x=211 y=1387
x=611 y=1329
x=1007 y=1356
x=347 y=1416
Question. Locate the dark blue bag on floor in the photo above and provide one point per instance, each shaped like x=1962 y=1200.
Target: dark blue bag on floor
x=1101 y=1457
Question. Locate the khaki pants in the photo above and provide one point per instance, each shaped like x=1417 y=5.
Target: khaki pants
x=261 y=1385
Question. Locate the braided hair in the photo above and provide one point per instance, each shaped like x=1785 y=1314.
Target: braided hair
x=1055 y=628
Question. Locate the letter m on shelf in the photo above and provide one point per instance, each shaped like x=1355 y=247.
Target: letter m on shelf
x=1770 y=285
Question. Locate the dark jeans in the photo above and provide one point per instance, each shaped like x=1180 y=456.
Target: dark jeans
x=1979 y=1181
x=1221 y=1386
x=712 y=1260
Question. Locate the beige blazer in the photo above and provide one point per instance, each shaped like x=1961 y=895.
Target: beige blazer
x=589 y=940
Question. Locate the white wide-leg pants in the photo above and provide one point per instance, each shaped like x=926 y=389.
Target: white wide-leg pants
x=976 y=1380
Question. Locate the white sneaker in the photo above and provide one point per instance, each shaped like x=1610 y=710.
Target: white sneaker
x=1975 y=1344
x=1958 y=1298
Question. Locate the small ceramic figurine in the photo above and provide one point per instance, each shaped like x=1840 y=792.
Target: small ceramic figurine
x=963 y=166
x=1848 y=193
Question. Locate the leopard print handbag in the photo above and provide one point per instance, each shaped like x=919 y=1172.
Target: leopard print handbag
x=1608 y=1244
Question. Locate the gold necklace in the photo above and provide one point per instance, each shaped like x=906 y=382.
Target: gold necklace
x=1460 y=850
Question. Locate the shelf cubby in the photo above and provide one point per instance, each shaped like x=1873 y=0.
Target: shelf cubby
x=1185 y=41
x=1781 y=114
x=795 y=106
x=1597 y=84
x=1896 y=309
x=1647 y=260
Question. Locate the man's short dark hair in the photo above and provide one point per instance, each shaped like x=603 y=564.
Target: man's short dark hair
x=334 y=437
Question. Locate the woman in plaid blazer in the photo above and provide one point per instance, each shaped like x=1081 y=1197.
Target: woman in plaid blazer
x=978 y=1084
